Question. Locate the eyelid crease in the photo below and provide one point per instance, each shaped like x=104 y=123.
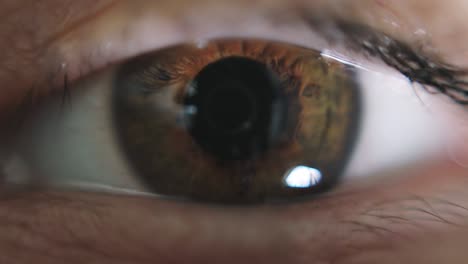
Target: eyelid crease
x=87 y=18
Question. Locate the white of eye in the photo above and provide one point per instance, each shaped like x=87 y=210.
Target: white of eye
x=397 y=129
x=73 y=143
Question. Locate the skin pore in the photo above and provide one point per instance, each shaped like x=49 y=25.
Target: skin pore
x=418 y=216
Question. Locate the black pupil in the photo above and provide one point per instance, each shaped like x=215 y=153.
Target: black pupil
x=231 y=110
x=233 y=102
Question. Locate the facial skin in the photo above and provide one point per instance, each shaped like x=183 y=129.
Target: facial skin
x=417 y=216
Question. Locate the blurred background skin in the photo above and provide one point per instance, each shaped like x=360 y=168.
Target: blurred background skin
x=420 y=217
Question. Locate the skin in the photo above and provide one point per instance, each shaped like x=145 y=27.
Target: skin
x=417 y=216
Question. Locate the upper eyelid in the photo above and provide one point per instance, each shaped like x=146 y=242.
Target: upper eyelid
x=19 y=23
x=87 y=18
x=453 y=72
x=416 y=64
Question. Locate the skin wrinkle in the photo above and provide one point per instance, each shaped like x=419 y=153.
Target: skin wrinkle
x=56 y=17
x=73 y=239
x=419 y=215
x=54 y=227
x=76 y=24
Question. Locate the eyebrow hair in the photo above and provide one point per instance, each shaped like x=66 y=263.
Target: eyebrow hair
x=435 y=75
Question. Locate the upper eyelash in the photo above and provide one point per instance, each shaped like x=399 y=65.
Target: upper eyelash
x=434 y=75
x=444 y=78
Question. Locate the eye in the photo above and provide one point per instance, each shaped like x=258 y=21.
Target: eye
x=235 y=120
x=232 y=121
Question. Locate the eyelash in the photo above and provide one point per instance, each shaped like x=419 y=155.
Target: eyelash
x=433 y=75
x=444 y=78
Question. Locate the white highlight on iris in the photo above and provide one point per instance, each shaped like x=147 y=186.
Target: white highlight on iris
x=303 y=177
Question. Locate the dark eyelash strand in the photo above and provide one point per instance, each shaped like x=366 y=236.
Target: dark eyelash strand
x=66 y=95
x=434 y=75
x=417 y=68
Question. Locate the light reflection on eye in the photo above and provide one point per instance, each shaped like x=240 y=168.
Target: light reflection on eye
x=302 y=177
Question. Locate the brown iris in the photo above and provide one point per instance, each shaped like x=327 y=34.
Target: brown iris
x=230 y=121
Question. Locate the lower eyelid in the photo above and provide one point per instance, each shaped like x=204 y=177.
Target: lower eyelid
x=352 y=224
